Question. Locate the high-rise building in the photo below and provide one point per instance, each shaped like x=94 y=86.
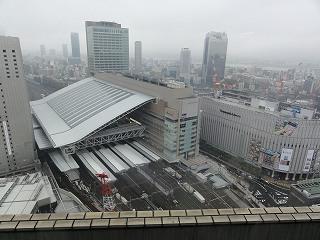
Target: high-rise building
x=42 y=50
x=107 y=47
x=138 y=56
x=214 y=58
x=75 y=45
x=308 y=84
x=52 y=53
x=16 y=141
x=65 y=50
x=185 y=65
x=75 y=49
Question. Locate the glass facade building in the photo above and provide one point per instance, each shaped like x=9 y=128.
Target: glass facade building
x=75 y=49
x=214 y=58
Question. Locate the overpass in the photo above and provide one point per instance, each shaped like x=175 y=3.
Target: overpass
x=233 y=223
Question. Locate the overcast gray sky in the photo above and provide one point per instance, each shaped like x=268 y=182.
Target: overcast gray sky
x=262 y=29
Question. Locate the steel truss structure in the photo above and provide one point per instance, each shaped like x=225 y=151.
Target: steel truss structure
x=116 y=134
x=118 y=118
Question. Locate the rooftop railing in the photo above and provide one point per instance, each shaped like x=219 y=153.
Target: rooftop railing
x=232 y=223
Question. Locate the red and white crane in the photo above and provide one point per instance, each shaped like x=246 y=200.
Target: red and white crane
x=106 y=192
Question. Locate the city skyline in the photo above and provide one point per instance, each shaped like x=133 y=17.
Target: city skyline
x=258 y=31
x=110 y=126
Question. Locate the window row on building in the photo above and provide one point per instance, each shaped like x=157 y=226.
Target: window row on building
x=279 y=144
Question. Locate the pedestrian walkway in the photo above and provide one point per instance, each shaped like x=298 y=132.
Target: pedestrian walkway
x=279 y=183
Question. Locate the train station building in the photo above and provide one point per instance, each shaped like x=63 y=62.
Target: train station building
x=111 y=124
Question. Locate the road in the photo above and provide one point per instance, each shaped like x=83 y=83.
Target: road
x=267 y=193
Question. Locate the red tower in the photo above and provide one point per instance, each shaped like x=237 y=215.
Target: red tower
x=106 y=192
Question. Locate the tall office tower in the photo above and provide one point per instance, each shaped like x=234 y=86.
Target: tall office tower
x=75 y=49
x=52 y=53
x=138 y=56
x=42 y=50
x=214 y=58
x=65 y=50
x=16 y=141
x=107 y=47
x=185 y=65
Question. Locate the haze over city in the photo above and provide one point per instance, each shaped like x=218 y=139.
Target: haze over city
x=265 y=30
x=160 y=119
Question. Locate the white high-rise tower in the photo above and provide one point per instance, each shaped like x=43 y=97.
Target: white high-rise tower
x=107 y=47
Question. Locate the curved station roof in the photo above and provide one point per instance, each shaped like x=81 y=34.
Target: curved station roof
x=73 y=112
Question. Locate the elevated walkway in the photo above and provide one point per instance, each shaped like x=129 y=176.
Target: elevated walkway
x=116 y=134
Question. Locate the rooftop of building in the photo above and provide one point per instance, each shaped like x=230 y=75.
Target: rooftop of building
x=168 y=83
x=156 y=89
x=103 y=24
x=23 y=194
x=310 y=188
x=217 y=35
x=246 y=94
x=264 y=105
x=72 y=113
x=243 y=106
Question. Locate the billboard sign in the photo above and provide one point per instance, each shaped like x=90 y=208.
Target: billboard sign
x=285 y=159
x=269 y=158
x=308 y=161
x=285 y=128
x=254 y=149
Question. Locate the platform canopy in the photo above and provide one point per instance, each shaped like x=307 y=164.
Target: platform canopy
x=78 y=110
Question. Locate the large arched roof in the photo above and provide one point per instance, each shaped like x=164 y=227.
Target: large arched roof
x=74 y=112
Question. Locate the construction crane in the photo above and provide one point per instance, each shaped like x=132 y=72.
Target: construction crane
x=106 y=192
